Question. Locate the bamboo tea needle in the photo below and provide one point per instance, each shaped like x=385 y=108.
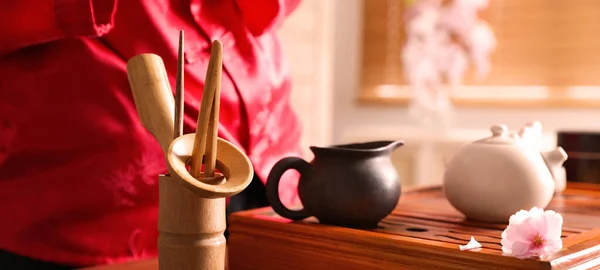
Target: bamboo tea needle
x=204 y=150
x=179 y=90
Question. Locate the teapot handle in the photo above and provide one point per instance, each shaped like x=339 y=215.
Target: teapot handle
x=272 y=186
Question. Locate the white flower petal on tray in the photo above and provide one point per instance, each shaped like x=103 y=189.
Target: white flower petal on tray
x=473 y=244
x=533 y=233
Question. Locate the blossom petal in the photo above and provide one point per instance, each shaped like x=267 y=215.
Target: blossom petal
x=519 y=249
x=539 y=222
x=553 y=245
x=554 y=221
x=473 y=244
x=526 y=229
x=514 y=235
x=519 y=217
x=536 y=212
x=506 y=245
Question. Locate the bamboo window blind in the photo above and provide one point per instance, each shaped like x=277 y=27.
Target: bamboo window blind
x=548 y=54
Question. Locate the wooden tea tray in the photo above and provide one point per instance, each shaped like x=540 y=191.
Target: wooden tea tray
x=424 y=232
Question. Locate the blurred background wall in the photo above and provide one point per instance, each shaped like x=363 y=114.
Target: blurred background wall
x=323 y=40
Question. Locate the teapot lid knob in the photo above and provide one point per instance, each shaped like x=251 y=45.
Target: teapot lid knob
x=500 y=135
x=499 y=130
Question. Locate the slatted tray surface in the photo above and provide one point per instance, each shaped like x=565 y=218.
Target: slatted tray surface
x=424 y=231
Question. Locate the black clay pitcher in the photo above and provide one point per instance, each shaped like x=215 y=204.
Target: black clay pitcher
x=352 y=185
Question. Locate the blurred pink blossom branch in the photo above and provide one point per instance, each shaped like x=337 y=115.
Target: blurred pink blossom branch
x=442 y=39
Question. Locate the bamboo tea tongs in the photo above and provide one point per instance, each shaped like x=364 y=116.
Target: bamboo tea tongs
x=205 y=142
x=191 y=218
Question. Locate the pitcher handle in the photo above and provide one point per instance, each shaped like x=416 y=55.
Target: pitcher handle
x=272 y=186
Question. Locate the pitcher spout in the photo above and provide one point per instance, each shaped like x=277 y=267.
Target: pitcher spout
x=395 y=144
x=363 y=149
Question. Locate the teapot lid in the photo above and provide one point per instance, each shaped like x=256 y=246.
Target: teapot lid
x=500 y=135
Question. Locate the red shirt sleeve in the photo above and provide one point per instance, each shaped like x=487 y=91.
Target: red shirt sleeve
x=29 y=22
x=262 y=16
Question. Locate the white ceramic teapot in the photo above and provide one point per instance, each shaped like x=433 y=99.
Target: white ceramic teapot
x=493 y=178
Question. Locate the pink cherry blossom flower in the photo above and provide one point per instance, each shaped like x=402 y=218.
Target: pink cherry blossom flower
x=533 y=233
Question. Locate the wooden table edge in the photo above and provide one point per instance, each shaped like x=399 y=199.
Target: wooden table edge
x=582 y=248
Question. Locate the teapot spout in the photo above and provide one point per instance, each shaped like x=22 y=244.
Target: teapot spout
x=555 y=158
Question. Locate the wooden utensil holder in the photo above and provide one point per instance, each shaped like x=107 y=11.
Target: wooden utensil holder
x=191 y=219
x=192 y=214
x=191 y=228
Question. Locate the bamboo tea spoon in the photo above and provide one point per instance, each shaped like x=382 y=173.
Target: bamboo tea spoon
x=152 y=96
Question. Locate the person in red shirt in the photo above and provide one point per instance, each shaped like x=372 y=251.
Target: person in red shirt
x=78 y=172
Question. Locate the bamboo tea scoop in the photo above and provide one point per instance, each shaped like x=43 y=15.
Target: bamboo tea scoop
x=191 y=218
x=152 y=96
